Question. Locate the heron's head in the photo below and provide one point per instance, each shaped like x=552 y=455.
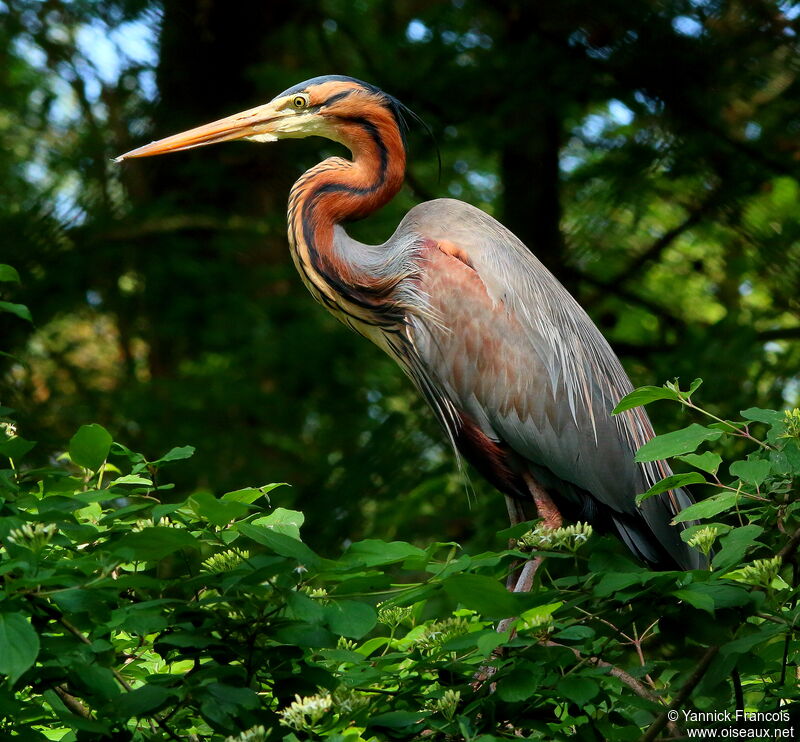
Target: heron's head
x=335 y=107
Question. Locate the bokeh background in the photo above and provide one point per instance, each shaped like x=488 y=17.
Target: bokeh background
x=648 y=152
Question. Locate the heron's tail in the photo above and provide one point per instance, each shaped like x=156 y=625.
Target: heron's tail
x=650 y=535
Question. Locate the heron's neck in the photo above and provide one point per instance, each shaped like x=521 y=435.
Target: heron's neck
x=338 y=190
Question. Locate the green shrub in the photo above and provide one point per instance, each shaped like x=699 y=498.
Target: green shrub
x=129 y=611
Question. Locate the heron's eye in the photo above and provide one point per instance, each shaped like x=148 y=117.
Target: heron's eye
x=299 y=101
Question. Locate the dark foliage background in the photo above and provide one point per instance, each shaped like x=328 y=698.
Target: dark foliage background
x=648 y=152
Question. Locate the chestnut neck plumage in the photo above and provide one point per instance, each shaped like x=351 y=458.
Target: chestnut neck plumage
x=339 y=190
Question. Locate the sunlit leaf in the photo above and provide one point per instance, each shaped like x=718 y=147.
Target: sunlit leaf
x=642 y=396
x=677 y=442
x=706 y=508
x=279 y=543
x=770 y=417
x=179 y=453
x=89 y=447
x=216 y=511
x=707 y=461
x=282 y=520
x=131 y=479
x=670 y=483
x=754 y=471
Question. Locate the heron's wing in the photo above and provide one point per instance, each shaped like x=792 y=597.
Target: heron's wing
x=514 y=351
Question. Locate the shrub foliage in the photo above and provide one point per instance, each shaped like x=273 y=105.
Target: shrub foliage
x=131 y=611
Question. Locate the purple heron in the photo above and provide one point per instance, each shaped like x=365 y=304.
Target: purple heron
x=518 y=375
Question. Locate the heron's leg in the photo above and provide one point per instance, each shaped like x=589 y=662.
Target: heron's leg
x=521 y=581
x=551 y=516
x=516 y=514
x=545 y=507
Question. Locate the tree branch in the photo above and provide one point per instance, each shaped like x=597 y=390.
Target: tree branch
x=638 y=688
x=662 y=243
x=787 y=552
x=663 y=718
x=657 y=309
x=780 y=333
x=71 y=702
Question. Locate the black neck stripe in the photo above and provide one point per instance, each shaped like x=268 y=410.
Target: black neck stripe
x=309 y=205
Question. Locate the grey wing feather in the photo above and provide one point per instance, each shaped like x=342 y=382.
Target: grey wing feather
x=554 y=381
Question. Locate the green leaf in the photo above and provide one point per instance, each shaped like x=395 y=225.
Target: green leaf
x=615 y=581
x=283 y=521
x=233 y=696
x=734 y=545
x=397 y=719
x=532 y=616
x=724 y=595
x=305 y=635
x=175 y=454
x=694 y=386
x=577 y=689
x=575 y=633
x=19 y=645
x=303 y=608
x=246 y=495
x=770 y=417
x=745 y=644
x=350 y=618
x=708 y=507
x=642 y=396
x=99 y=680
x=369 y=646
x=373 y=552
x=143 y=619
x=677 y=442
x=19 y=309
x=279 y=543
x=754 y=471
x=697 y=599
x=16 y=447
x=217 y=512
x=132 y=456
x=670 y=483
x=521 y=683
x=791 y=452
x=153 y=544
x=517 y=530
x=159 y=511
x=8 y=274
x=490 y=640
x=89 y=447
x=707 y=461
x=131 y=479
x=483 y=594
x=140 y=701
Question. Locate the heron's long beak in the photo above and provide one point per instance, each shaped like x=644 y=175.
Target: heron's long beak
x=259 y=122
